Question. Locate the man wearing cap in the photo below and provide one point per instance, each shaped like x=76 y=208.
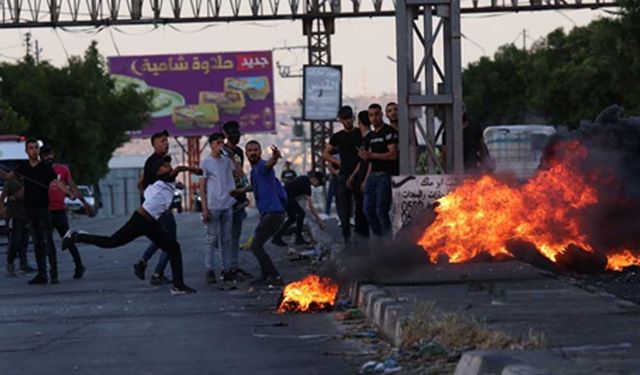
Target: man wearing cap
x=160 y=143
x=231 y=131
x=347 y=142
x=57 y=206
x=145 y=222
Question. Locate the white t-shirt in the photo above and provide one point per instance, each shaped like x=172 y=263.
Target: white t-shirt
x=157 y=198
x=219 y=175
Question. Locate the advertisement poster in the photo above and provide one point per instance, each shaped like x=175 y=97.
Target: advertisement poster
x=196 y=93
x=322 y=92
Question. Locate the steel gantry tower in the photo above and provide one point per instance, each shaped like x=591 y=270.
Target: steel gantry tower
x=427 y=89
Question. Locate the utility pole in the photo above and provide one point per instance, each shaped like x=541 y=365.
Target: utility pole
x=524 y=39
x=37 y=52
x=27 y=42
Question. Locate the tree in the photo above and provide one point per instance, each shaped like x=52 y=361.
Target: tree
x=564 y=79
x=75 y=109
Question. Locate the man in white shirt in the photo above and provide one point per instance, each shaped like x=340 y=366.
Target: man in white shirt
x=216 y=183
x=144 y=222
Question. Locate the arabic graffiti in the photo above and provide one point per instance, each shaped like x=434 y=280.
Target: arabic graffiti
x=417 y=194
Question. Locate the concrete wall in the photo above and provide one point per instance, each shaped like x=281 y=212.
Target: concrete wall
x=119 y=193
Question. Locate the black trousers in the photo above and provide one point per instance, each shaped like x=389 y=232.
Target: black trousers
x=295 y=214
x=18 y=241
x=138 y=226
x=269 y=224
x=346 y=199
x=39 y=221
x=60 y=223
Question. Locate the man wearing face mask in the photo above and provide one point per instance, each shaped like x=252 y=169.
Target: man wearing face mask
x=160 y=143
x=144 y=222
x=57 y=206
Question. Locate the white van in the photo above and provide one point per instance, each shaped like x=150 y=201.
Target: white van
x=12 y=152
x=517 y=149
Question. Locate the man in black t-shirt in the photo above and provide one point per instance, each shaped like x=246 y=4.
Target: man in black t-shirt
x=287 y=174
x=347 y=142
x=297 y=190
x=381 y=151
x=37 y=177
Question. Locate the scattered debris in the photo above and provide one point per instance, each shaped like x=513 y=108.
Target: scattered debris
x=350 y=314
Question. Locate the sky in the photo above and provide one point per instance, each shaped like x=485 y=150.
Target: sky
x=364 y=47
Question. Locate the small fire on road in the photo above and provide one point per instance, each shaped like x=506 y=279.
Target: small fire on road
x=313 y=293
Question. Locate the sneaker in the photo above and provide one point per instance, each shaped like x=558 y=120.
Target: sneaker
x=279 y=242
x=228 y=276
x=243 y=273
x=69 y=239
x=179 y=290
x=38 y=280
x=274 y=280
x=159 y=279
x=11 y=270
x=79 y=272
x=139 y=269
x=210 y=276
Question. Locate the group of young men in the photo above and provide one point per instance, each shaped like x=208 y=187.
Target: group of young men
x=368 y=157
x=35 y=193
x=365 y=159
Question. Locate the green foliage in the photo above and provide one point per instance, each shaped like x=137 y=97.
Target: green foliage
x=75 y=109
x=565 y=78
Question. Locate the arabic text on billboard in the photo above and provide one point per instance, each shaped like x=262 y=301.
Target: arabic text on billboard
x=322 y=92
x=196 y=93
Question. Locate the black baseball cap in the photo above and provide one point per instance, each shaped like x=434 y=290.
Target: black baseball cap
x=231 y=126
x=345 y=112
x=155 y=135
x=159 y=163
x=45 y=150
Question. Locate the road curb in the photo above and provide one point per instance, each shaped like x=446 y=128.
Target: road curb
x=390 y=317
x=485 y=362
x=381 y=309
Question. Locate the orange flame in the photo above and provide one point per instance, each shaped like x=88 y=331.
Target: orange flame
x=482 y=215
x=618 y=261
x=309 y=294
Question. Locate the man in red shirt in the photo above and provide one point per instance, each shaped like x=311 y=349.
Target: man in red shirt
x=57 y=206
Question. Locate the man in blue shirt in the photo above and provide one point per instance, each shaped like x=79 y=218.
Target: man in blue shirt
x=271 y=200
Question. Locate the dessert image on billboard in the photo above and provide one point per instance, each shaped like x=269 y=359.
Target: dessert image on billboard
x=231 y=101
x=195 y=116
x=256 y=88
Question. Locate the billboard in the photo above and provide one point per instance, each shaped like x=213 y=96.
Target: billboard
x=322 y=93
x=195 y=93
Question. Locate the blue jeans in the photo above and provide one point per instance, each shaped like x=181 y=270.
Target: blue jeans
x=236 y=232
x=218 y=238
x=168 y=224
x=377 y=202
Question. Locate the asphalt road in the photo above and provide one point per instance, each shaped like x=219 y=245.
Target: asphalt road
x=112 y=323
